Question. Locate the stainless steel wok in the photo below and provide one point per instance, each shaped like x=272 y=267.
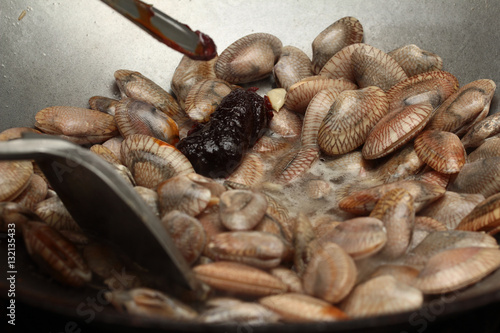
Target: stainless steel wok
x=64 y=52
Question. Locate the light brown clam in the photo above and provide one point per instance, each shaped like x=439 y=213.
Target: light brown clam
x=251 y=170
x=79 y=125
x=55 y=254
x=114 y=144
x=349 y=120
x=150 y=303
x=138 y=117
x=137 y=86
x=15 y=176
x=484 y=217
x=16 y=132
x=440 y=241
x=343 y=32
x=482 y=130
x=53 y=212
x=204 y=97
x=316 y=111
x=400 y=165
x=250 y=58
x=456 y=268
x=317 y=189
x=14 y=213
x=105 y=153
x=330 y=273
x=295 y=163
x=300 y=94
x=153 y=161
x=431 y=87
x=187 y=73
x=288 y=277
x=490 y=148
x=239 y=279
x=286 y=123
x=373 y=67
x=395 y=129
x=150 y=197
x=360 y=237
x=415 y=61
x=103 y=104
x=187 y=233
x=469 y=105
x=440 y=150
x=35 y=192
x=271 y=144
x=292 y=66
x=382 y=295
x=183 y=194
x=242 y=209
x=481 y=176
x=363 y=201
x=402 y=273
x=397 y=211
x=340 y=65
x=242 y=313
x=452 y=207
x=303 y=235
x=254 y=248
x=293 y=307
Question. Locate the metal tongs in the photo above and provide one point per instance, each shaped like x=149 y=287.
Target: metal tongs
x=103 y=204
x=177 y=35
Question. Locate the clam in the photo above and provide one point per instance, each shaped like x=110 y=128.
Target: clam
x=114 y=144
x=349 y=120
x=395 y=129
x=12 y=213
x=482 y=130
x=250 y=58
x=483 y=217
x=490 y=148
x=340 y=65
x=105 y=153
x=402 y=273
x=382 y=295
x=103 y=104
x=204 y=97
x=55 y=254
x=440 y=150
x=16 y=132
x=187 y=233
x=359 y=237
x=346 y=31
x=271 y=144
x=300 y=94
x=415 y=61
x=254 y=248
x=397 y=211
x=153 y=161
x=239 y=279
x=15 y=176
x=373 y=67
x=295 y=163
x=242 y=209
x=35 y=192
x=452 y=207
x=481 y=176
x=53 y=212
x=456 y=268
x=288 y=277
x=317 y=189
x=293 y=307
x=469 y=105
x=330 y=273
x=251 y=170
x=286 y=123
x=138 y=117
x=188 y=73
x=150 y=197
x=242 y=313
x=150 y=303
x=79 y=125
x=303 y=235
x=423 y=226
x=400 y=165
x=292 y=66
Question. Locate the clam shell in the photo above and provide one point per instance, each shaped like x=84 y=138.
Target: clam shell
x=373 y=67
x=15 y=176
x=343 y=32
x=422 y=227
x=292 y=66
x=340 y=65
x=153 y=161
x=490 y=148
x=295 y=164
x=481 y=176
x=242 y=209
x=415 y=61
x=484 y=217
x=250 y=58
x=349 y=120
x=441 y=150
x=480 y=131
x=103 y=104
x=204 y=97
x=457 y=268
x=251 y=170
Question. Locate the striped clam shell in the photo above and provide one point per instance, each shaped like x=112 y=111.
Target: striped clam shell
x=415 y=61
x=248 y=59
x=484 y=217
x=343 y=32
x=442 y=151
x=292 y=66
x=349 y=120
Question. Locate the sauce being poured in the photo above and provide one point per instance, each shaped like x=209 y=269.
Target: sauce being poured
x=178 y=36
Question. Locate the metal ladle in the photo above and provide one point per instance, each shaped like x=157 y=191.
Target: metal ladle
x=104 y=205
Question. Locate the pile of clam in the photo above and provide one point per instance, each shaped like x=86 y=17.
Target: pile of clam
x=376 y=184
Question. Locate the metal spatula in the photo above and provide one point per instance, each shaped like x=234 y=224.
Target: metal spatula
x=103 y=204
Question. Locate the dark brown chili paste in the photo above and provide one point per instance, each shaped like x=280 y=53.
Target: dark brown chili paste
x=216 y=149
